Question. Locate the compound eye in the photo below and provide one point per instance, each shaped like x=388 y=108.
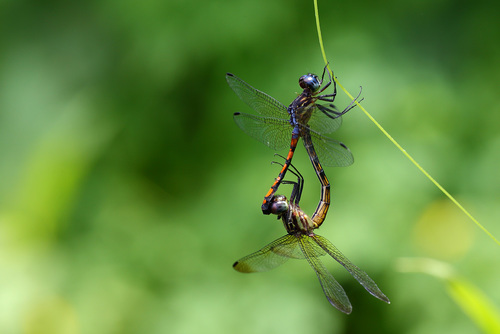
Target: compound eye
x=279 y=205
x=310 y=81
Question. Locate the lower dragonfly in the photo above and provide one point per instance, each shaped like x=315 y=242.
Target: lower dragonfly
x=301 y=242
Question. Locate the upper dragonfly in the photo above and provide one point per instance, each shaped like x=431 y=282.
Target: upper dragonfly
x=308 y=119
x=301 y=242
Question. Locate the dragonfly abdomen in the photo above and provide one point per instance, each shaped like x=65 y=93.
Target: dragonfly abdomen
x=319 y=215
x=266 y=209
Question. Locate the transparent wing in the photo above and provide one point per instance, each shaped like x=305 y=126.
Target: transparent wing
x=257 y=100
x=332 y=289
x=357 y=273
x=274 y=132
x=330 y=152
x=321 y=123
x=271 y=256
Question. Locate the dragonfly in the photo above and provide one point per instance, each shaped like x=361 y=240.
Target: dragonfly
x=302 y=243
x=307 y=118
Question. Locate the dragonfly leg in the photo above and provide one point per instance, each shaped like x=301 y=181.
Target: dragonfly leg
x=297 y=186
x=328 y=97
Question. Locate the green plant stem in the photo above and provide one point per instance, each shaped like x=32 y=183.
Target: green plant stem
x=318 y=28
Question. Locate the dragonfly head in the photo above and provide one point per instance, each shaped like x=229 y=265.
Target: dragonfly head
x=310 y=81
x=279 y=205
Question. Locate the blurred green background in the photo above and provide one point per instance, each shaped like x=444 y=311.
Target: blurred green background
x=127 y=191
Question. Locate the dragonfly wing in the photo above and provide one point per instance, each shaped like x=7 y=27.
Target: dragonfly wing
x=322 y=123
x=330 y=152
x=269 y=257
x=274 y=132
x=332 y=289
x=357 y=273
x=257 y=100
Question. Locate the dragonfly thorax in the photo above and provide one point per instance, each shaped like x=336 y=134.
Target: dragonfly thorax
x=302 y=221
x=296 y=221
x=310 y=81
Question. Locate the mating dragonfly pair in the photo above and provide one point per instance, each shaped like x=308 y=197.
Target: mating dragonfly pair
x=309 y=120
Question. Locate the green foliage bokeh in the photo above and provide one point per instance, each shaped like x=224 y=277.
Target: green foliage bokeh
x=127 y=190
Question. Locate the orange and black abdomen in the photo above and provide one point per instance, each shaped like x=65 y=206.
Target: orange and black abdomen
x=266 y=209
